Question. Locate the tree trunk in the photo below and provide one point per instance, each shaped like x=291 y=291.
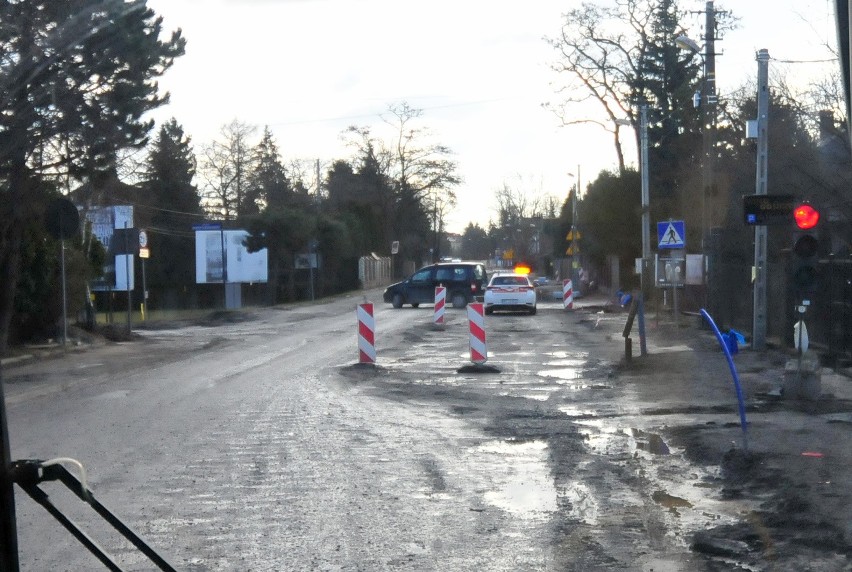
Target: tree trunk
x=10 y=249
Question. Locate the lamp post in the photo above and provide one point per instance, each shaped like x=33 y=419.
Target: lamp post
x=574 y=234
x=645 y=282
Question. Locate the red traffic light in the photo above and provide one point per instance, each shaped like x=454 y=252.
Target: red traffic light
x=805 y=216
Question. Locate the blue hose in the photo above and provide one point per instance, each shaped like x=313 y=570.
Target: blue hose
x=733 y=369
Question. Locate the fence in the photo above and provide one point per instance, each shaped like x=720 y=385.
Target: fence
x=829 y=317
x=831 y=324
x=374 y=271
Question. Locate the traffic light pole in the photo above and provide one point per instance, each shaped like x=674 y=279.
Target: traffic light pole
x=760 y=231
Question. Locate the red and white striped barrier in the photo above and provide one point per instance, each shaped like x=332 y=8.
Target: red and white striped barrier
x=567 y=295
x=476 y=319
x=366 y=333
x=440 y=303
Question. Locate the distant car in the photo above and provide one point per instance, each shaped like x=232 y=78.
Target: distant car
x=465 y=282
x=541 y=281
x=510 y=292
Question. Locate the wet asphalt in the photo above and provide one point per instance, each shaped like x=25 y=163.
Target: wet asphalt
x=256 y=442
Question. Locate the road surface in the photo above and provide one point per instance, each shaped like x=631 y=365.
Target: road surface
x=255 y=442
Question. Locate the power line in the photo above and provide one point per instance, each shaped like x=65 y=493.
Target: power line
x=829 y=60
x=379 y=113
x=170 y=232
x=153 y=208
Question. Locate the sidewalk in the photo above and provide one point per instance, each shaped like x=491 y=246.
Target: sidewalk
x=789 y=472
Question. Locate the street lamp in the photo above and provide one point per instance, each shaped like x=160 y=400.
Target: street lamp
x=646 y=199
x=687 y=43
x=574 y=233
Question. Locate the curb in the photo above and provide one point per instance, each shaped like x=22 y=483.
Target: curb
x=15 y=359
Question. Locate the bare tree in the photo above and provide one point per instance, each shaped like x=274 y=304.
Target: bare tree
x=618 y=57
x=521 y=208
x=523 y=200
x=224 y=170
x=600 y=49
x=421 y=172
x=422 y=169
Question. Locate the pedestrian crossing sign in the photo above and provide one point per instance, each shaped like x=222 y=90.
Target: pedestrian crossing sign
x=671 y=234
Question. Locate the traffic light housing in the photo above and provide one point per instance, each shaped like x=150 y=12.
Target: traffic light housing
x=806 y=247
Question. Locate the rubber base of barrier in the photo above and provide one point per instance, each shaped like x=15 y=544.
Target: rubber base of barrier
x=477 y=368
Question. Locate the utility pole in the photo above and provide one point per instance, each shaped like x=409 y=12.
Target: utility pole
x=645 y=279
x=127 y=261
x=760 y=231
x=574 y=231
x=318 y=196
x=708 y=103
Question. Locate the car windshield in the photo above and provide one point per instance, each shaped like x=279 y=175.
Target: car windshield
x=457 y=285
x=509 y=281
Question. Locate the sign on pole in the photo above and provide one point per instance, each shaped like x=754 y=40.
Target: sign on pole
x=671 y=234
x=768 y=209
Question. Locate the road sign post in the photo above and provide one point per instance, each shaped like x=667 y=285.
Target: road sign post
x=144 y=252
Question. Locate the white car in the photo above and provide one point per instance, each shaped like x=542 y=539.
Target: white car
x=510 y=292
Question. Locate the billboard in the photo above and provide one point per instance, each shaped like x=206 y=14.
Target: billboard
x=221 y=256
x=119 y=269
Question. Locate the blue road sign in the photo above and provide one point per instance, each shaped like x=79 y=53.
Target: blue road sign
x=671 y=234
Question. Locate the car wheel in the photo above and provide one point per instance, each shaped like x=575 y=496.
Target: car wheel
x=459 y=301
x=533 y=311
x=397 y=301
x=489 y=311
x=415 y=305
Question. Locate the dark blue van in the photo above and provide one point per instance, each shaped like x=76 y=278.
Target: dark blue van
x=465 y=282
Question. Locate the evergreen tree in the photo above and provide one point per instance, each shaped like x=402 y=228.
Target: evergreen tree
x=284 y=232
x=269 y=186
x=664 y=81
x=475 y=243
x=609 y=218
x=176 y=207
x=78 y=77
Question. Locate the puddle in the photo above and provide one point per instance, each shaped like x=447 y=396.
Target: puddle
x=601 y=438
x=685 y=493
x=584 y=507
x=565 y=355
x=522 y=481
x=606 y=439
x=566 y=374
x=538 y=394
x=576 y=412
x=649 y=442
x=669 y=501
x=576 y=363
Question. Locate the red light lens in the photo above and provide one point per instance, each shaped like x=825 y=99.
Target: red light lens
x=805 y=216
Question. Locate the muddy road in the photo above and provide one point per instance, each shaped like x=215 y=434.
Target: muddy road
x=253 y=441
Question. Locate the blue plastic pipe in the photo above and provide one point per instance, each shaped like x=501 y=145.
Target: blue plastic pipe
x=733 y=369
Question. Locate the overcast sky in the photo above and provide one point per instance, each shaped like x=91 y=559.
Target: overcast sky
x=479 y=70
